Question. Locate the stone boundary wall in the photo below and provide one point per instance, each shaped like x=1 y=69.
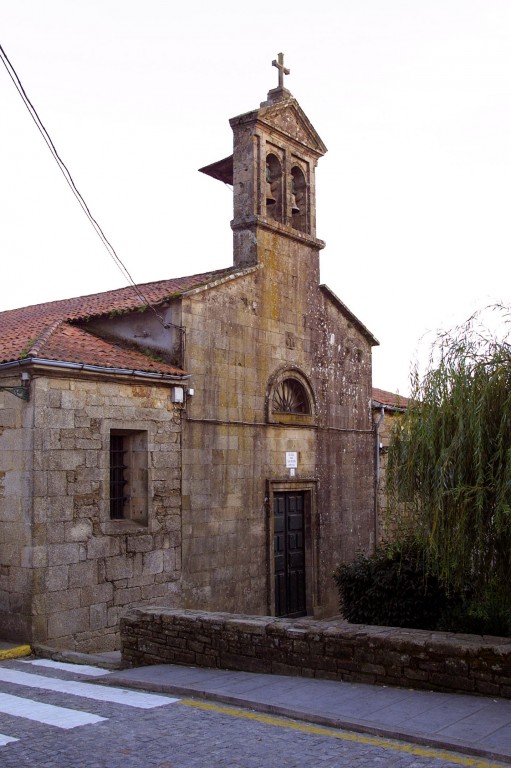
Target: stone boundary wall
x=330 y=649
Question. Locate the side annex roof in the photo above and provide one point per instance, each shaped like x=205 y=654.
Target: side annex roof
x=57 y=330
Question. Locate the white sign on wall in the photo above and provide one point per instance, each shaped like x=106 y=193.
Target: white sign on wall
x=291 y=459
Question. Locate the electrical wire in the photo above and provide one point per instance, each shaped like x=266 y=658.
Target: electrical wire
x=69 y=179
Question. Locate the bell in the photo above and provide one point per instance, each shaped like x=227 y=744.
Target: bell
x=270 y=200
x=294 y=205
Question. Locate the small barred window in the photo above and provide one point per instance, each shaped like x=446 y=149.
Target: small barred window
x=128 y=476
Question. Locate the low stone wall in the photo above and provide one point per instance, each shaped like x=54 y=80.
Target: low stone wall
x=328 y=649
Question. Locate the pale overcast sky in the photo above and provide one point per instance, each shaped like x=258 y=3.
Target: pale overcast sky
x=411 y=97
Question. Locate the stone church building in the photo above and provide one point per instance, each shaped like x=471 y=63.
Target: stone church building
x=203 y=442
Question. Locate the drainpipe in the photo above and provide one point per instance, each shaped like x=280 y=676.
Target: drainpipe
x=377 y=471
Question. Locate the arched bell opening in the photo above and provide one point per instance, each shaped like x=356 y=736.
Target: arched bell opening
x=299 y=200
x=273 y=190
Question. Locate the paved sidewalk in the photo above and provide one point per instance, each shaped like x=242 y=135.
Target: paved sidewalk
x=473 y=725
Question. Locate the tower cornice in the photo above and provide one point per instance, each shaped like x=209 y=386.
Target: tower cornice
x=260 y=222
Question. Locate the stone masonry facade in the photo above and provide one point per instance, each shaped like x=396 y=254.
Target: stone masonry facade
x=234 y=447
x=77 y=569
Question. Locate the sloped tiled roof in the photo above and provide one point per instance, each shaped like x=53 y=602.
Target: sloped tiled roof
x=51 y=331
x=73 y=344
x=389 y=400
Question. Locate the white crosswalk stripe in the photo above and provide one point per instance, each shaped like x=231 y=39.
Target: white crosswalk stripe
x=77 y=669
x=6 y=739
x=86 y=690
x=63 y=717
x=60 y=717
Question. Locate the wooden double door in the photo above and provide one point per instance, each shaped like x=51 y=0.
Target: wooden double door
x=289 y=547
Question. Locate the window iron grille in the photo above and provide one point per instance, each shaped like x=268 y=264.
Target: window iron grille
x=117 y=477
x=290 y=397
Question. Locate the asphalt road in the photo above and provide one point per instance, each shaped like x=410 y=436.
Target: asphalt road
x=53 y=717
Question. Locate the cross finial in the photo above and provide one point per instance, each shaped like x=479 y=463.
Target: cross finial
x=282 y=69
x=280 y=93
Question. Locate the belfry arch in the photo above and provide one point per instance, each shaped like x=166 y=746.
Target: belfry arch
x=273 y=189
x=300 y=197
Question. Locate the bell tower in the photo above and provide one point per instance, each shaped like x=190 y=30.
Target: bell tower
x=272 y=171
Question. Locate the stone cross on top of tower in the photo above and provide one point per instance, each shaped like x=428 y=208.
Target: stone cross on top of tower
x=279 y=93
x=282 y=69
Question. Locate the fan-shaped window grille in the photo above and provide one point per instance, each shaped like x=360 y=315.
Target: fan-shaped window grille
x=290 y=397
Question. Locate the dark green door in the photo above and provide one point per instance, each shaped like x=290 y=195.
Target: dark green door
x=289 y=544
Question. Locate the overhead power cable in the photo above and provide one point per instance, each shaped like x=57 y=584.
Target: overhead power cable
x=69 y=179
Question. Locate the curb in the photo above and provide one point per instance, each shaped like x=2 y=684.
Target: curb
x=16 y=653
x=75 y=657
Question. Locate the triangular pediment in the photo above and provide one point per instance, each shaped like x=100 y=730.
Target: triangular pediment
x=289 y=119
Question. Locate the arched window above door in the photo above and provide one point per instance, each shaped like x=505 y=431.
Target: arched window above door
x=289 y=396
x=291 y=399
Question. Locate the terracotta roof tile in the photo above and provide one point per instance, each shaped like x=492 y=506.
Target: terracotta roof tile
x=48 y=330
x=76 y=345
x=389 y=399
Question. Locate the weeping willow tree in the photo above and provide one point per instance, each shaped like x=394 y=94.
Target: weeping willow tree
x=449 y=470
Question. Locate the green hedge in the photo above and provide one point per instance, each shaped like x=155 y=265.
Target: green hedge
x=391 y=588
